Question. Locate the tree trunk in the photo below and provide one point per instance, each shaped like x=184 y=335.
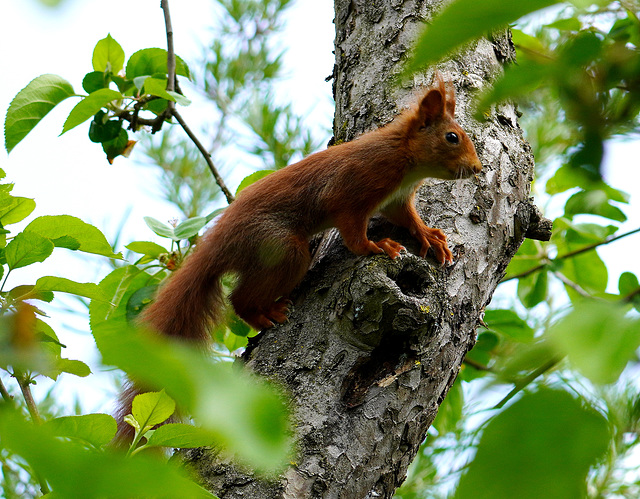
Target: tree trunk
x=374 y=344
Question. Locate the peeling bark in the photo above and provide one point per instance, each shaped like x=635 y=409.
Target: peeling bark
x=374 y=344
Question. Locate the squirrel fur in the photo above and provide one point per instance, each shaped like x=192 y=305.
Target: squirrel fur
x=263 y=236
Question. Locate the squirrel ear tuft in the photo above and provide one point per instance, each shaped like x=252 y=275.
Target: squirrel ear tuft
x=432 y=106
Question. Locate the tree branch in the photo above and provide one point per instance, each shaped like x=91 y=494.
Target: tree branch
x=571 y=254
x=171 y=108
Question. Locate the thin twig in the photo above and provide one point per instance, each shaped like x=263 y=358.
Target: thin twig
x=5 y=393
x=477 y=365
x=571 y=254
x=206 y=155
x=171 y=56
x=25 y=387
x=521 y=384
x=171 y=80
x=576 y=287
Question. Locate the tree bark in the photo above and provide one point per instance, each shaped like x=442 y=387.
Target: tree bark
x=374 y=344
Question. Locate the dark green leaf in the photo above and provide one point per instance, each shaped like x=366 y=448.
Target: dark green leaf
x=593 y=202
x=94 y=81
x=32 y=104
x=138 y=300
x=533 y=288
x=103 y=131
x=118 y=146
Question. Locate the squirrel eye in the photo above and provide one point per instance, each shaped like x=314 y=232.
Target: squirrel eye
x=452 y=137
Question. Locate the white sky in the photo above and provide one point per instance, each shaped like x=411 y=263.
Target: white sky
x=69 y=175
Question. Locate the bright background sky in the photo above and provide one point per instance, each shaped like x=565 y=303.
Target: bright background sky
x=69 y=174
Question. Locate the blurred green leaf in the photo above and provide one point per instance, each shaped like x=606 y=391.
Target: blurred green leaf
x=32 y=104
x=246 y=416
x=533 y=289
x=598 y=339
x=66 y=466
x=508 y=324
x=95 y=429
x=541 y=446
x=594 y=202
x=450 y=411
x=108 y=56
x=464 y=20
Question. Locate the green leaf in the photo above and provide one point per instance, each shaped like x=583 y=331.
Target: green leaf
x=450 y=411
x=533 y=289
x=108 y=56
x=60 y=228
x=27 y=248
x=464 y=20
x=628 y=287
x=153 y=61
x=508 y=324
x=75 y=367
x=152 y=408
x=189 y=227
x=66 y=466
x=593 y=202
x=118 y=146
x=541 y=446
x=89 y=106
x=182 y=436
x=147 y=248
x=94 y=81
x=254 y=177
x=86 y=289
x=158 y=87
x=161 y=229
x=119 y=286
x=15 y=209
x=246 y=416
x=103 y=131
x=598 y=339
x=140 y=299
x=32 y=104
x=95 y=429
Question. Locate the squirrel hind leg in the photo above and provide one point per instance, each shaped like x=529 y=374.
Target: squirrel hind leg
x=261 y=296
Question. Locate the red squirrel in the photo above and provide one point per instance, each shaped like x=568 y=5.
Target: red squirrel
x=263 y=236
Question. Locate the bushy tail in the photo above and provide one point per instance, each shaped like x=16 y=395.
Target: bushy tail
x=187 y=304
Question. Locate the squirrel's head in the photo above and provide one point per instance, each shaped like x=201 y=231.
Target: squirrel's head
x=438 y=145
